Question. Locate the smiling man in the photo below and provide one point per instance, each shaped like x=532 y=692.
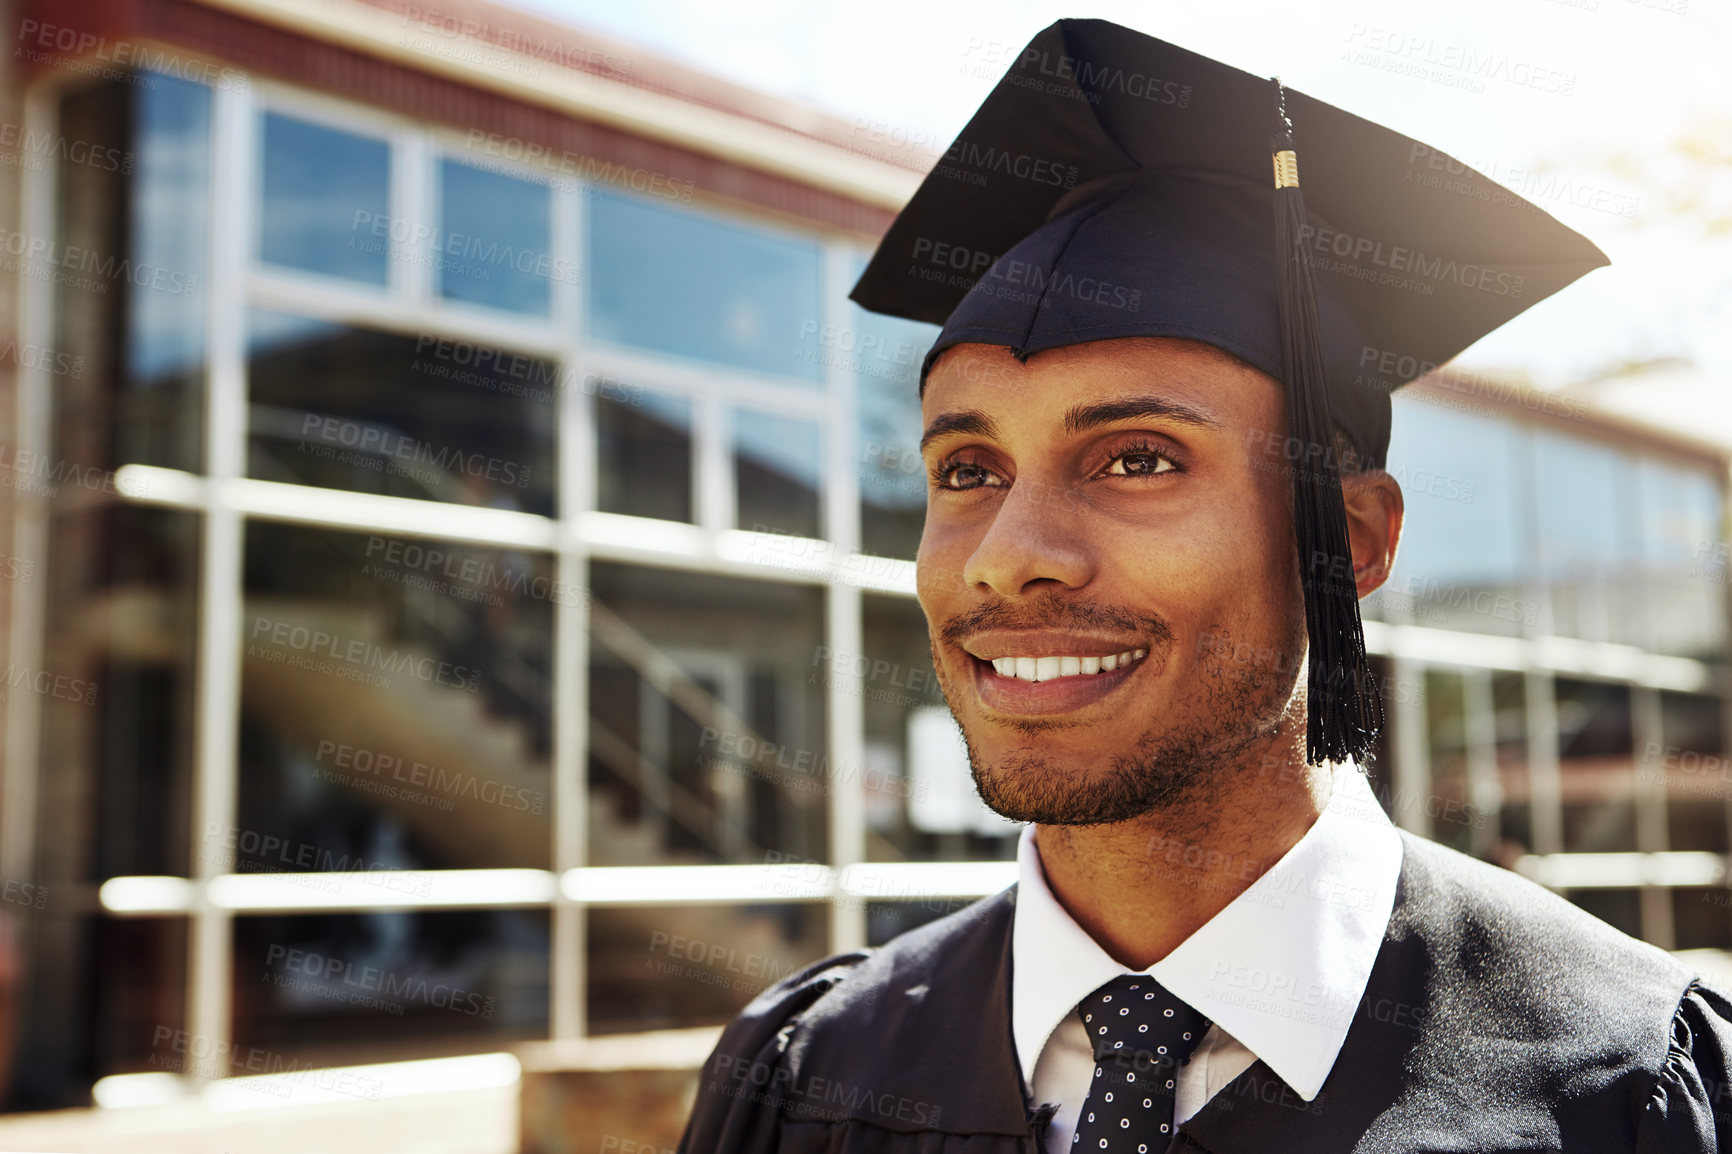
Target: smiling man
x=1156 y=493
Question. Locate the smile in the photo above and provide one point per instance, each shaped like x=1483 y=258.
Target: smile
x=1052 y=668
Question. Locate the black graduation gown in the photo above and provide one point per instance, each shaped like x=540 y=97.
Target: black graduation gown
x=1498 y=1017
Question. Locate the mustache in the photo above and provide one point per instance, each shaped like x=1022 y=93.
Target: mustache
x=1053 y=611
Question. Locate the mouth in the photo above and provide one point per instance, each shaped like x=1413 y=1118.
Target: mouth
x=1051 y=683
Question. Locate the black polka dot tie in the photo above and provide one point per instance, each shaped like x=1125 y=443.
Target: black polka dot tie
x=1141 y=1036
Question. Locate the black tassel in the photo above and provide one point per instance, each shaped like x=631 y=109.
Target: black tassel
x=1344 y=710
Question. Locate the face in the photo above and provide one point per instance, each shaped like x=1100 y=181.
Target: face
x=1109 y=575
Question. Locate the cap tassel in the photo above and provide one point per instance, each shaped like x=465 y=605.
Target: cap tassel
x=1344 y=711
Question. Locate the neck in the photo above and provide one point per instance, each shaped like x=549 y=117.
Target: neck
x=1143 y=886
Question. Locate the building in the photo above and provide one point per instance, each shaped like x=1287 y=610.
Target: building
x=460 y=586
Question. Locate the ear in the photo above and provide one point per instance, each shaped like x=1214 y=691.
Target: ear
x=1374 y=513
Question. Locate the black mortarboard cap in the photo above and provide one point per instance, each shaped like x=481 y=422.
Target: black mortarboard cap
x=1113 y=185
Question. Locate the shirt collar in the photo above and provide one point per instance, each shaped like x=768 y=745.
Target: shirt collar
x=1281 y=968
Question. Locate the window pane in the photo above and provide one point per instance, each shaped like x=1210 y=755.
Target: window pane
x=127 y=362
x=1460 y=565
x=1684 y=602
x=346 y=989
x=707 y=738
x=495 y=245
x=106 y=996
x=644 y=458
x=1446 y=736
x=1596 y=767
x=396 y=705
x=1690 y=759
x=1515 y=823
x=887 y=358
x=921 y=803
x=665 y=967
x=1700 y=919
x=698 y=286
x=374 y=412
x=1585 y=519
x=326 y=200
x=776 y=473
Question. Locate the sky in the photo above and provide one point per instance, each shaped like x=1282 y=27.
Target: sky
x=1610 y=77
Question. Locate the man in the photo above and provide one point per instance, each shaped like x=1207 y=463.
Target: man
x=1156 y=493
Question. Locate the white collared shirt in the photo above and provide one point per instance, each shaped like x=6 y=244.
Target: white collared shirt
x=1280 y=970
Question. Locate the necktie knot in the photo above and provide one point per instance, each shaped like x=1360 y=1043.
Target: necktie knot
x=1141 y=1035
x=1135 y=1015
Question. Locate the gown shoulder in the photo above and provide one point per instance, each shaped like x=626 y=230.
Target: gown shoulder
x=1690 y=1109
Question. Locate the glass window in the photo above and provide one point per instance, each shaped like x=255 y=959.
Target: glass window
x=706 y=727
x=1584 y=513
x=665 y=967
x=1595 y=766
x=396 y=705
x=921 y=803
x=644 y=455
x=494 y=243
x=1460 y=562
x=126 y=1008
x=1700 y=920
x=1514 y=823
x=697 y=286
x=1690 y=758
x=777 y=473
x=1451 y=797
x=423 y=417
x=886 y=354
x=129 y=387
x=391 y=984
x=325 y=204
x=1621 y=908
x=1684 y=603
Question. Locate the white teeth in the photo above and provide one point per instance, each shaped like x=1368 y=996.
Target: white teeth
x=1049 y=668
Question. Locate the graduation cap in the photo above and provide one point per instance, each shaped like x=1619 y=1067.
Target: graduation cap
x=1113 y=185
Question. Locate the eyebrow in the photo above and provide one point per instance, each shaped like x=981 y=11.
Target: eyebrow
x=1082 y=418
x=1078 y=419
x=969 y=421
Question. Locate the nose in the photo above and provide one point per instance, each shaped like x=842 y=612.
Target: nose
x=1037 y=536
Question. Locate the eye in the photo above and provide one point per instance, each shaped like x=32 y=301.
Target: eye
x=959 y=475
x=1140 y=460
